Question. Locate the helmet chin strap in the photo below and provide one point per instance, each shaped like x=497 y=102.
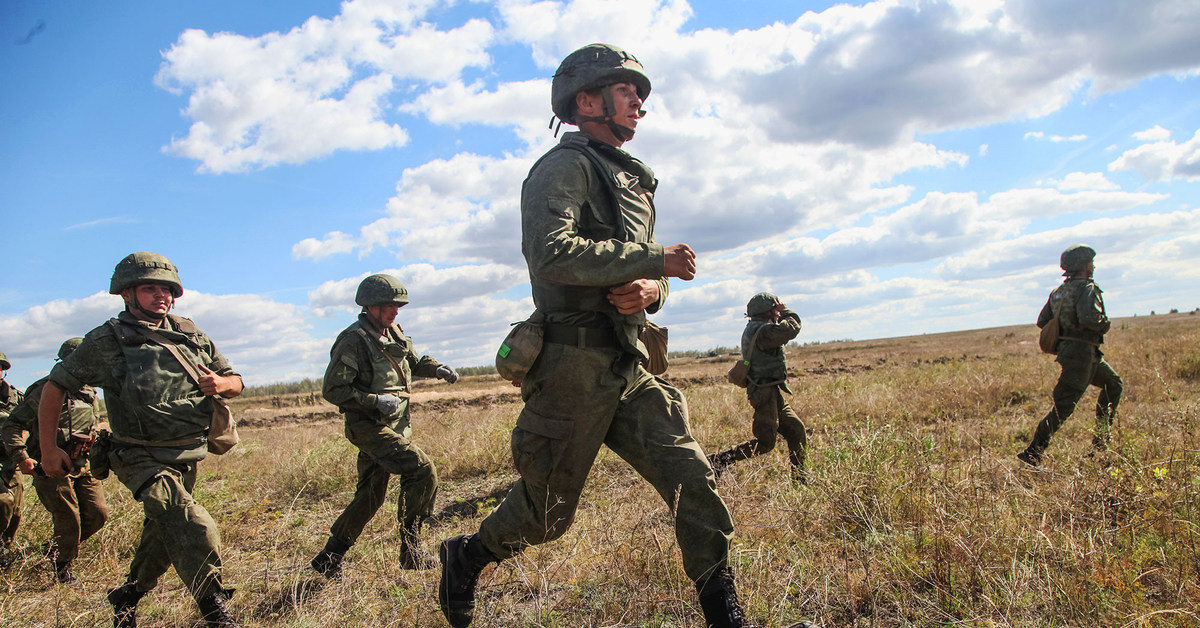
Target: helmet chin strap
x=150 y=314
x=621 y=132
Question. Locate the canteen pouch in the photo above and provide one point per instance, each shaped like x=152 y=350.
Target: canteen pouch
x=1048 y=339
x=222 y=431
x=98 y=454
x=520 y=349
x=655 y=339
x=739 y=375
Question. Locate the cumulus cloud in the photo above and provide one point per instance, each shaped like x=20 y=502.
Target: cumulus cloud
x=1039 y=135
x=1162 y=160
x=321 y=87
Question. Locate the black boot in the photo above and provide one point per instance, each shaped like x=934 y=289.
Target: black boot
x=124 y=600
x=62 y=573
x=216 y=614
x=718 y=600
x=328 y=562
x=1030 y=456
x=462 y=559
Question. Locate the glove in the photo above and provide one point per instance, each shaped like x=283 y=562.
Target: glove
x=387 y=404
x=447 y=373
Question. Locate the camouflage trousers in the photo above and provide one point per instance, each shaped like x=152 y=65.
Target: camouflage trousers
x=177 y=531
x=383 y=452
x=77 y=511
x=577 y=400
x=1082 y=365
x=772 y=415
x=12 y=499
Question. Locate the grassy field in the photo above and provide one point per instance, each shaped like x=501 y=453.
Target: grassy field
x=916 y=512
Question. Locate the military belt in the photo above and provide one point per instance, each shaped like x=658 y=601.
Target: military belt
x=582 y=337
x=185 y=443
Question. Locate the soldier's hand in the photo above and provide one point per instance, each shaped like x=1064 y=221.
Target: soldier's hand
x=447 y=373
x=388 y=405
x=27 y=465
x=679 y=261
x=56 y=463
x=634 y=296
x=213 y=384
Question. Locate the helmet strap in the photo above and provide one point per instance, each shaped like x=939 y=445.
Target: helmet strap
x=622 y=133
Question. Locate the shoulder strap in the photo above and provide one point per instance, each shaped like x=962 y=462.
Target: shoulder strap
x=395 y=363
x=188 y=365
x=753 y=343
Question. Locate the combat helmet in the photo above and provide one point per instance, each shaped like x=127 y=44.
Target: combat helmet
x=4 y=363
x=145 y=267
x=69 y=347
x=1076 y=258
x=590 y=67
x=761 y=303
x=380 y=289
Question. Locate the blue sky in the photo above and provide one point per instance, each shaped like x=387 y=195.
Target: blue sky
x=887 y=168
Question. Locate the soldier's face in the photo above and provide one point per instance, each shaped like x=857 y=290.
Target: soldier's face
x=383 y=315
x=152 y=299
x=627 y=103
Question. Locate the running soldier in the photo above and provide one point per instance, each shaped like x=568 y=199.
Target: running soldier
x=160 y=375
x=12 y=491
x=371 y=366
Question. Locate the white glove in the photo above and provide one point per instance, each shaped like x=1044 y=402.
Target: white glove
x=388 y=404
x=447 y=373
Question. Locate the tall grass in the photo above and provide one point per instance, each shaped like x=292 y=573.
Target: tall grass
x=915 y=513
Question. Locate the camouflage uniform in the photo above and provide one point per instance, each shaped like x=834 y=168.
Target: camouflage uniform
x=159 y=420
x=12 y=491
x=359 y=372
x=1079 y=308
x=75 y=503
x=766 y=385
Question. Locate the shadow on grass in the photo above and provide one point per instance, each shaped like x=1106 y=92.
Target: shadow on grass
x=469 y=507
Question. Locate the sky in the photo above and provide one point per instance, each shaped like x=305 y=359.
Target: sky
x=887 y=168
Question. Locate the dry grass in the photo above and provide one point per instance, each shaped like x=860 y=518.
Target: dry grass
x=916 y=512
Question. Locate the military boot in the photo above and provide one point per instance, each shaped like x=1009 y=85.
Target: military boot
x=1030 y=456
x=216 y=614
x=718 y=600
x=124 y=600
x=463 y=558
x=328 y=562
x=62 y=573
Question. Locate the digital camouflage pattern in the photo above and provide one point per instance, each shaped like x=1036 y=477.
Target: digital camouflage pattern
x=380 y=289
x=587 y=223
x=590 y=67
x=12 y=492
x=767 y=383
x=150 y=398
x=1078 y=305
x=76 y=504
x=359 y=371
x=145 y=267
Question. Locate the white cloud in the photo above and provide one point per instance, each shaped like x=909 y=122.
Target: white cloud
x=334 y=242
x=1154 y=134
x=1163 y=160
x=321 y=87
x=1039 y=135
x=1083 y=181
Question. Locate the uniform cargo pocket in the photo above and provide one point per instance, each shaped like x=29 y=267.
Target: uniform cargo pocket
x=538 y=444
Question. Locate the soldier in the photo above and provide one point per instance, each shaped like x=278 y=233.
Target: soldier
x=159 y=410
x=12 y=491
x=75 y=503
x=1082 y=322
x=587 y=219
x=370 y=370
x=771 y=326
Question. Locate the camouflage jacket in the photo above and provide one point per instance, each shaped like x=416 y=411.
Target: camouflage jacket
x=10 y=398
x=148 y=393
x=768 y=365
x=20 y=433
x=359 y=369
x=1079 y=308
x=587 y=224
